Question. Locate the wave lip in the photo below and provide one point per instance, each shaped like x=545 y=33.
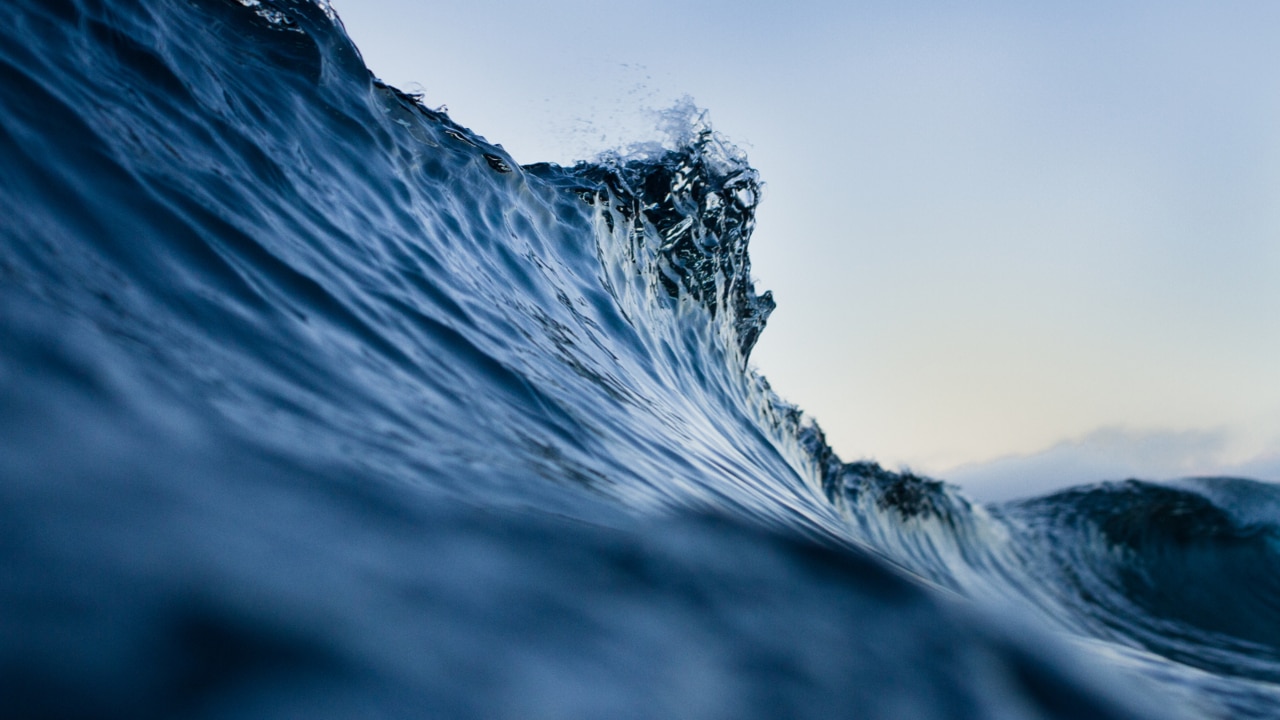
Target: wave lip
x=696 y=202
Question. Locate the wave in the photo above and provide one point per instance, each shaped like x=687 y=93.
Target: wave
x=314 y=400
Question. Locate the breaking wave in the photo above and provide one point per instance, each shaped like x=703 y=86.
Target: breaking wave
x=315 y=402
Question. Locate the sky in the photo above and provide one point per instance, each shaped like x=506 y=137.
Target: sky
x=1014 y=245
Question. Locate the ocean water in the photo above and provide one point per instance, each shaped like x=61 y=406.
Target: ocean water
x=314 y=403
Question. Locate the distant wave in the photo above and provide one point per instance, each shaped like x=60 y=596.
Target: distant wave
x=317 y=403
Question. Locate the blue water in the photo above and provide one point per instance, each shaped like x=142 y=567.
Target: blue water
x=314 y=403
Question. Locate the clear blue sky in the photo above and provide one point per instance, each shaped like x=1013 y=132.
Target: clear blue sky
x=993 y=228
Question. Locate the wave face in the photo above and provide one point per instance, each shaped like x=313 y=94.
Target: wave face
x=314 y=402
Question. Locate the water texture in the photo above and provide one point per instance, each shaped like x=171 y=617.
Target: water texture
x=315 y=403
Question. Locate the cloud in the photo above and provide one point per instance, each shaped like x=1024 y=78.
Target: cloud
x=1113 y=454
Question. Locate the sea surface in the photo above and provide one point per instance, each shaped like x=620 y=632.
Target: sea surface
x=316 y=404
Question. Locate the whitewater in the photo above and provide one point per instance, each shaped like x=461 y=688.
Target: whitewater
x=315 y=403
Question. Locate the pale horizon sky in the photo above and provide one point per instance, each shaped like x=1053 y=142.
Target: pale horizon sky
x=994 y=230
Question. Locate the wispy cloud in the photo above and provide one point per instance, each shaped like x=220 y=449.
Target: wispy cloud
x=1112 y=454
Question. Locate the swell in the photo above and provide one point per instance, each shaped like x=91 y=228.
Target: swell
x=1167 y=568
